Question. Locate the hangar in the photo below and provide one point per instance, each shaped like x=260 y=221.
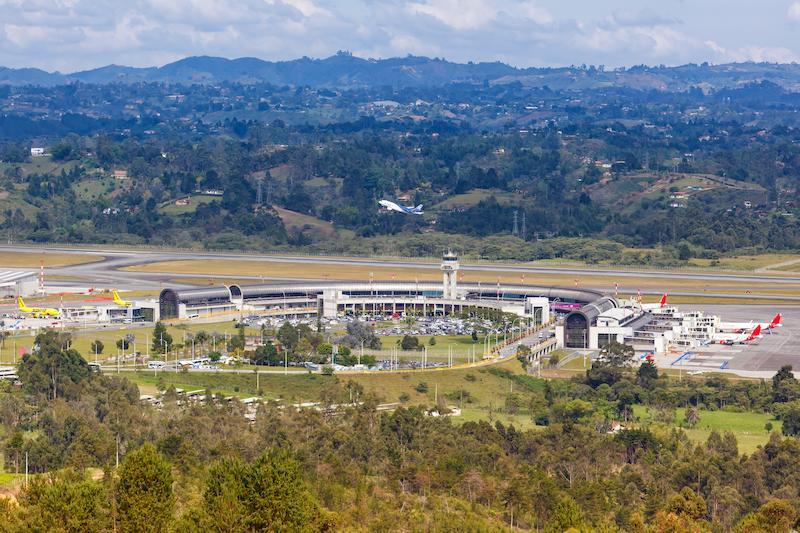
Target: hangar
x=15 y=283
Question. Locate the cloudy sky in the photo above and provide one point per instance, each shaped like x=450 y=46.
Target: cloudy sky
x=70 y=35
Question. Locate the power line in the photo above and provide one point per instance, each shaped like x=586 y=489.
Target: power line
x=516 y=230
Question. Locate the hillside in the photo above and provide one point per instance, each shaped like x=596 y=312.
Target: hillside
x=345 y=70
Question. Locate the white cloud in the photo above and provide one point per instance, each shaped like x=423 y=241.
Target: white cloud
x=473 y=14
x=76 y=34
x=794 y=11
x=757 y=54
x=458 y=14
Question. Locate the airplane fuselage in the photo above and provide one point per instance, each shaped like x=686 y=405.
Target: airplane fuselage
x=392 y=206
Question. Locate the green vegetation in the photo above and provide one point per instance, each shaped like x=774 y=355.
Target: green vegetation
x=550 y=446
x=188 y=204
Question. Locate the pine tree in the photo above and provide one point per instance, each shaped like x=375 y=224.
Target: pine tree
x=144 y=492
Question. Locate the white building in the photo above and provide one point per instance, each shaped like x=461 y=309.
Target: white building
x=15 y=283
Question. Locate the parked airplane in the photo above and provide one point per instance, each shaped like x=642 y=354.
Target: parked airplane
x=660 y=305
x=756 y=333
x=38 y=312
x=391 y=206
x=119 y=301
x=741 y=327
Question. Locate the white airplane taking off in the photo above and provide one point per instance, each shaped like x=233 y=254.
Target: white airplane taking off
x=391 y=206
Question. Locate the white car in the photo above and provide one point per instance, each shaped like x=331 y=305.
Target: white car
x=156 y=364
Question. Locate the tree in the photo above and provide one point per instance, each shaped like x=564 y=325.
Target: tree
x=647 y=374
x=97 y=347
x=288 y=337
x=791 y=420
x=784 y=385
x=268 y=495
x=409 y=342
x=358 y=334
x=775 y=515
x=267 y=354
x=143 y=492
x=474 y=336
x=53 y=368
x=65 y=504
x=432 y=341
x=123 y=344
x=691 y=417
x=162 y=340
x=617 y=355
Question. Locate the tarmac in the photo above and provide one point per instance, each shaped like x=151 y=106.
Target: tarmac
x=760 y=358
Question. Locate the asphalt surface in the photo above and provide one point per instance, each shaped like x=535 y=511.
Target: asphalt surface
x=767 y=354
x=107 y=273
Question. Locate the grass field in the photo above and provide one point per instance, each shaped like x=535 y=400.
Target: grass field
x=31 y=260
x=194 y=201
x=484 y=388
x=292 y=387
x=461 y=346
x=521 y=421
x=8 y=480
x=749 y=262
x=295 y=220
x=748 y=427
x=82 y=340
x=474 y=196
x=93 y=189
x=791 y=268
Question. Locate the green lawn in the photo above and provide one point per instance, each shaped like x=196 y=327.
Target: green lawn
x=461 y=346
x=143 y=336
x=521 y=420
x=474 y=196
x=483 y=388
x=292 y=387
x=748 y=427
x=7 y=479
x=92 y=189
x=194 y=201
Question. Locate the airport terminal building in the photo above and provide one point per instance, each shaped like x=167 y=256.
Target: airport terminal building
x=330 y=299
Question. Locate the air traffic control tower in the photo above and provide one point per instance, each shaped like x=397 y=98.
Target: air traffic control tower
x=449 y=275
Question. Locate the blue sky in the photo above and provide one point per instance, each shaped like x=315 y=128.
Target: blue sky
x=69 y=35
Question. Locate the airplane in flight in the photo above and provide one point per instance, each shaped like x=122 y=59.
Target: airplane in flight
x=744 y=338
x=392 y=206
x=741 y=327
x=119 y=301
x=37 y=312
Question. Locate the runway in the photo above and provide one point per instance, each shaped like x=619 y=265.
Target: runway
x=106 y=272
x=766 y=355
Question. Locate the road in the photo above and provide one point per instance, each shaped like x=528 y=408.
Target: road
x=106 y=272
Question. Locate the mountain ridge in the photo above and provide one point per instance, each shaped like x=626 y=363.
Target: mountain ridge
x=344 y=70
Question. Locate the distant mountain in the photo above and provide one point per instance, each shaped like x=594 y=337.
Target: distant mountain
x=344 y=70
x=30 y=76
